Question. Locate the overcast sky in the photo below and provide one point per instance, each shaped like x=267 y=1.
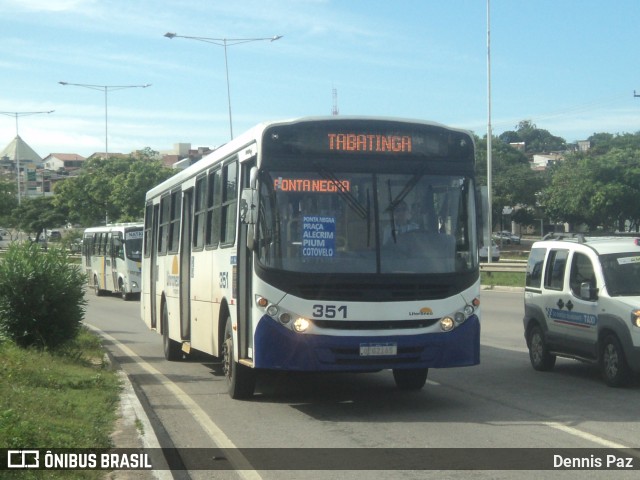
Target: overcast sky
x=569 y=66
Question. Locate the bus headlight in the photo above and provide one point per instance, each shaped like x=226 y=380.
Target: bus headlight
x=282 y=315
x=447 y=324
x=300 y=324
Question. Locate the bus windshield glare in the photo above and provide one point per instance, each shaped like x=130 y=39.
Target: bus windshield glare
x=374 y=223
x=133 y=244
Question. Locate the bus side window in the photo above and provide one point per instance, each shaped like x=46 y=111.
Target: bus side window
x=118 y=250
x=200 y=213
x=148 y=222
x=163 y=228
x=214 y=196
x=229 y=204
x=174 y=221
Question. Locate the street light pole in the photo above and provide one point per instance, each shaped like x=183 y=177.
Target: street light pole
x=225 y=42
x=106 y=89
x=489 y=137
x=16 y=153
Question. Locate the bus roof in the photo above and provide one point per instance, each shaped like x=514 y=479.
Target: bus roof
x=110 y=227
x=246 y=140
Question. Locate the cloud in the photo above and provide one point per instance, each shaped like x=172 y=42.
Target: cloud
x=48 y=5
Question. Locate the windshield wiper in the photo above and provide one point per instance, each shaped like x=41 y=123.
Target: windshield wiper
x=413 y=181
x=346 y=195
x=391 y=208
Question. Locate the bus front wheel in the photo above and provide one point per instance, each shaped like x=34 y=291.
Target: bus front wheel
x=172 y=349
x=123 y=293
x=241 y=380
x=410 y=379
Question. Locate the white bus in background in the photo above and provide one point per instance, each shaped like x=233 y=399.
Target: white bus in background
x=112 y=257
x=320 y=244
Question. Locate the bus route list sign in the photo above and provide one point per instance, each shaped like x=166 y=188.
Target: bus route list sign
x=318 y=236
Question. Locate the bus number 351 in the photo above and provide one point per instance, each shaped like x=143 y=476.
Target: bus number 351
x=329 y=311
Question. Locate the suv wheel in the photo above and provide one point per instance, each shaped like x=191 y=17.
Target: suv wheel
x=614 y=366
x=539 y=355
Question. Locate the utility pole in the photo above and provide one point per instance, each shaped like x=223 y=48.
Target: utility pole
x=334 y=109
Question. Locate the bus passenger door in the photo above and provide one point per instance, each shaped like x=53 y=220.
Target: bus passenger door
x=109 y=262
x=185 y=265
x=117 y=251
x=244 y=275
x=152 y=274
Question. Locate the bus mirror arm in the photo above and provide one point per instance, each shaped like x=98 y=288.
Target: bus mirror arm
x=253 y=177
x=251 y=237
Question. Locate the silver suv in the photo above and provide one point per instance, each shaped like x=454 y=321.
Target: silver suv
x=582 y=301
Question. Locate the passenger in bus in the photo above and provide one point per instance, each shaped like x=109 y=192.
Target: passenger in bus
x=402 y=223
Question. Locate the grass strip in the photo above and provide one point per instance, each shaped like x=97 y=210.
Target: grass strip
x=61 y=399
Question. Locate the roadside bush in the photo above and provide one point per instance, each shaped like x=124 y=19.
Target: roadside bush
x=42 y=300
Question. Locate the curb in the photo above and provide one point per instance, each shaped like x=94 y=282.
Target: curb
x=133 y=429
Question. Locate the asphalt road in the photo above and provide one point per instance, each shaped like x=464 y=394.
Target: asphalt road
x=500 y=404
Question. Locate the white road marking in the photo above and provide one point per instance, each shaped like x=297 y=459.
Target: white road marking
x=220 y=439
x=214 y=432
x=584 y=435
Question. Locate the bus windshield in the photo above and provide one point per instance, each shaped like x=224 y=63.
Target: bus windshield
x=374 y=222
x=133 y=244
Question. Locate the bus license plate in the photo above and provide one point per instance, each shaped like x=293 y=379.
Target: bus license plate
x=371 y=349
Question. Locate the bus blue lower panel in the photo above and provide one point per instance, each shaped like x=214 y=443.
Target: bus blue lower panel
x=278 y=348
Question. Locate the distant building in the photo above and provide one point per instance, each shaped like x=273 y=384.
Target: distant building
x=583 y=145
x=63 y=161
x=520 y=146
x=18 y=149
x=543 y=160
x=103 y=155
x=18 y=155
x=182 y=155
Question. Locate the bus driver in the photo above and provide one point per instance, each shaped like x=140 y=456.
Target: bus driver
x=400 y=223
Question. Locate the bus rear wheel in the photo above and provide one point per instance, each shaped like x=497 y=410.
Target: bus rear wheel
x=96 y=287
x=241 y=380
x=172 y=349
x=410 y=379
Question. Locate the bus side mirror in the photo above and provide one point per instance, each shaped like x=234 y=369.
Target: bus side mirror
x=249 y=206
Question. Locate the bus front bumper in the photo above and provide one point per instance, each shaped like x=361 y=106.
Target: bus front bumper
x=278 y=348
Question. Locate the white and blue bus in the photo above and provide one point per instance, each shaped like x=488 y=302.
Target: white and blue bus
x=112 y=257
x=323 y=244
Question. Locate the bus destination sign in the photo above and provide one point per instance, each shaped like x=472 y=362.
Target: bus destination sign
x=363 y=142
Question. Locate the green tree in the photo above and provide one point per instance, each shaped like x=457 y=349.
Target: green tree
x=600 y=191
x=514 y=182
x=536 y=140
x=111 y=188
x=8 y=200
x=34 y=215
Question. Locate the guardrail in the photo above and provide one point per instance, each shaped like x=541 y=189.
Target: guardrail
x=509 y=266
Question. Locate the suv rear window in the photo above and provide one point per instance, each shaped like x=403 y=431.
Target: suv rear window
x=554 y=277
x=534 y=267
